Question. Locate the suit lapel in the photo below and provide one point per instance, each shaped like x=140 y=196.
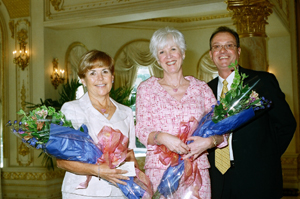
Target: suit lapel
x=213 y=84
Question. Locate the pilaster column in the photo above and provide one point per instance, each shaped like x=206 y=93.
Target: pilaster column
x=250 y=18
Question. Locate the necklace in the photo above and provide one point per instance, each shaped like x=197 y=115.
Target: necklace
x=176 y=87
x=103 y=110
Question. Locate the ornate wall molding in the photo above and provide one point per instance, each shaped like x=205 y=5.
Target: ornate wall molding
x=250 y=16
x=290 y=168
x=15 y=175
x=94 y=11
x=57 y=4
x=24 y=156
x=190 y=19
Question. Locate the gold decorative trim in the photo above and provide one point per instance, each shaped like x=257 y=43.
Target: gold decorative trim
x=33 y=175
x=11 y=25
x=290 y=161
x=23 y=96
x=280 y=3
x=26 y=158
x=250 y=16
x=57 y=4
x=290 y=168
x=22 y=20
x=190 y=19
x=23 y=149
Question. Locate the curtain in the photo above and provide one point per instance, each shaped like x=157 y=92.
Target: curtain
x=73 y=61
x=206 y=68
x=129 y=59
x=73 y=55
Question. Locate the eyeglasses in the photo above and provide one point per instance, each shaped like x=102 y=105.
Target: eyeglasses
x=226 y=46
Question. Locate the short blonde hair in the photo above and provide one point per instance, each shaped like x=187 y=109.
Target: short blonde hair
x=94 y=59
x=161 y=38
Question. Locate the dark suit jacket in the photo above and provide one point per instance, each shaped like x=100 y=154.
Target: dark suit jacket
x=258 y=145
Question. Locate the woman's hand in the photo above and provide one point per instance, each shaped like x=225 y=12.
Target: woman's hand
x=173 y=143
x=112 y=175
x=198 y=146
x=131 y=158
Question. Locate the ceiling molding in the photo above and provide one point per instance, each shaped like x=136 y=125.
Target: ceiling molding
x=184 y=23
x=91 y=13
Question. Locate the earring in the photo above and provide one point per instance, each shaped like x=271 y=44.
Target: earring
x=112 y=81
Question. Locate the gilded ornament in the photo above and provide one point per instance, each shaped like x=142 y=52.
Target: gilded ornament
x=57 y=4
x=22 y=60
x=23 y=97
x=250 y=16
x=280 y=3
x=47 y=175
x=190 y=19
x=23 y=149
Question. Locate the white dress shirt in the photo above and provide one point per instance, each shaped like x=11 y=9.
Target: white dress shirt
x=80 y=112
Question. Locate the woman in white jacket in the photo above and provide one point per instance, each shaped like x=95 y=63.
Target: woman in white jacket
x=96 y=109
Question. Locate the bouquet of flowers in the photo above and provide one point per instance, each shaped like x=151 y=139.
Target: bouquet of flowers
x=44 y=128
x=231 y=112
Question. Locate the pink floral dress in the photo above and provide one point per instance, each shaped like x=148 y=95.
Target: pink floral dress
x=157 y=110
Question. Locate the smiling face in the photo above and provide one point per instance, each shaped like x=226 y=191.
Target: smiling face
x=224 y=58
x=170 y=57
x=98 y=81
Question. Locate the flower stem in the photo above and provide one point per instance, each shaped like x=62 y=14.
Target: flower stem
x=156 y=195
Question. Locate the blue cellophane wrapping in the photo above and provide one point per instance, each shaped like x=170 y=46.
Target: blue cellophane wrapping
x=170 y=181
x=171 y=177
x=131 y=190
x=70 y=144
x=208 y=128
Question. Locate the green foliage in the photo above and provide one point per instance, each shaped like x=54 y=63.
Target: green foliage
x=122 y=95
x=48 y=102
x=237 y=99
x=68 y=93
x=36 y=124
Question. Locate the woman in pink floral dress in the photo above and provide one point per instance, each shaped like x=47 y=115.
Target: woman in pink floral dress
x=161 y=105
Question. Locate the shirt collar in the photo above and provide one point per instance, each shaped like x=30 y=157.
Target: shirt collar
x=229 y=79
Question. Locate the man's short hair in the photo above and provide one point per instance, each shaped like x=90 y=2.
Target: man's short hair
x=225 y=29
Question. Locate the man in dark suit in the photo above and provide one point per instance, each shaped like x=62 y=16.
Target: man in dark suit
x=256 y=147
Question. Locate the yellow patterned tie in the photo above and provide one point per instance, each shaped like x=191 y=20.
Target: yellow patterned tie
x=222 y=158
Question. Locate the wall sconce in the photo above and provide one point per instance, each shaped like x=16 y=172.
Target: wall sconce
x=21 y=57
x=57 y=77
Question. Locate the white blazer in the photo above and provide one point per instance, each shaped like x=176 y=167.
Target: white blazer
x=81 y=112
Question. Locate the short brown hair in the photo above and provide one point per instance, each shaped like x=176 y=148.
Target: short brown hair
x=94 y=59
x=225 y=29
